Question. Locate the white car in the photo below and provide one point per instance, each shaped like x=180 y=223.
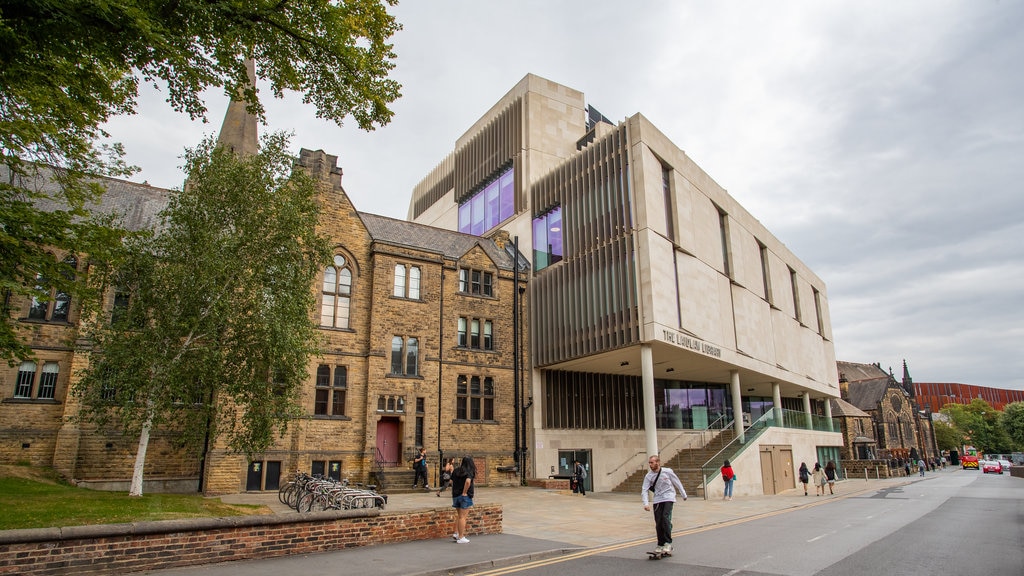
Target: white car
x=1005 y=464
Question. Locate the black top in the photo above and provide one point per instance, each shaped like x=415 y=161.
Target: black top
x=459 y=483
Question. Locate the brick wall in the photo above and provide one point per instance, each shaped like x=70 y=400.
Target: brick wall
x=124 y=548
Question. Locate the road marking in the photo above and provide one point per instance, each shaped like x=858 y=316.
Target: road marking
x=746 y=567
x=633 y=543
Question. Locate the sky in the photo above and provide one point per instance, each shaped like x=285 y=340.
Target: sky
x=882 y=142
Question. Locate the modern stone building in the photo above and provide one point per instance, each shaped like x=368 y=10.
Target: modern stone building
x=418 y=350
x=663 y=316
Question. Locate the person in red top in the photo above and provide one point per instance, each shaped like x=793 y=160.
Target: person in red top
x=728 y=476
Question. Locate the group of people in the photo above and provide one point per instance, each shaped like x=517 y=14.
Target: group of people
x=460 y=479
x=821 y=477
x=659 y=490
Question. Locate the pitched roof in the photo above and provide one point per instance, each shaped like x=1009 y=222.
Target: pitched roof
x=865 y=394
x=139 y=205
x=422 y=237
x=855 y=372
x=842 y=408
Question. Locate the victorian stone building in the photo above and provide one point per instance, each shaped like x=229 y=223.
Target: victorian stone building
x=900 y=430
x=419 y=349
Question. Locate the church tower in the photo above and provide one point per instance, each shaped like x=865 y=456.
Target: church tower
x=238 y=132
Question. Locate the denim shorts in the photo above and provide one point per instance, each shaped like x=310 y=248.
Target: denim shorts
x=461 y=501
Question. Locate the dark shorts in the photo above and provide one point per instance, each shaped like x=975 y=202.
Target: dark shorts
x=462 y=502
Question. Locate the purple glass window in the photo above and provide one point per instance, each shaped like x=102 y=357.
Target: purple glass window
x=489 y=207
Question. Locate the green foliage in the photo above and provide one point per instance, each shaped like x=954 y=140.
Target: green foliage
x=947 y=437
x=1012 y=422
x=67 y=67
x=978 y=424
x=218 y=331
x=31 y=504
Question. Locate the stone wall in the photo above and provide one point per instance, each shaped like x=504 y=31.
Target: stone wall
x=125 y=548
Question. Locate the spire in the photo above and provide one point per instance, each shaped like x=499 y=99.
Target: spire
x=238 y=132
x=908 y=382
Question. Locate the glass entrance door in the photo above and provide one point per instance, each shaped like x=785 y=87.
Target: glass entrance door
x=565 y=464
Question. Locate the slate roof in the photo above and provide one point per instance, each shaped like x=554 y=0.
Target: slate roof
x=855 y=372
x=138 y=204
x=445 y=242
x=841 y=408
x=866 y=394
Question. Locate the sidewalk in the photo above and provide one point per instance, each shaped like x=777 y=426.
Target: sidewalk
x=537 y=523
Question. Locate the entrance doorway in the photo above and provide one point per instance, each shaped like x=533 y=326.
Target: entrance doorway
x=777 y=468
x=389 y=447
x=565 y=464
x=263 y=475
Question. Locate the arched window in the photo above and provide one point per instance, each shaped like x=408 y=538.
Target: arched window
x=336 y=297
x=399 y=281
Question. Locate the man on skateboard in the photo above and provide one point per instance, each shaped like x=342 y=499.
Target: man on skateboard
x=664 y=483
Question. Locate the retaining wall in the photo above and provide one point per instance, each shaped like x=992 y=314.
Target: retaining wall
x=124 y=548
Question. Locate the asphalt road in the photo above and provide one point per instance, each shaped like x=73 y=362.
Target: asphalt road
x=960 y=524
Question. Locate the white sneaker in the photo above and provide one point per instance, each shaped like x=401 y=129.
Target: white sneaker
x=666 y=549
x=462 y=540
x=659 y=549
x=455 y=536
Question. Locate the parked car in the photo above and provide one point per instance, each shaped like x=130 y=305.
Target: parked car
x=1005 y=464
x=991 y=466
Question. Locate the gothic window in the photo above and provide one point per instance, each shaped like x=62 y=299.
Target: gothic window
x=330 y=391
x=474 y=398
x=404 y=356
x=407 y=282
x=45 y=388
x=56 y=306
x=336 y=296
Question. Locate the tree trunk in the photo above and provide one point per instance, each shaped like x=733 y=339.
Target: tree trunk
x=140 y=458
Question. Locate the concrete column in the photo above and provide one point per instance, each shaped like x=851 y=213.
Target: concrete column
x=737 y=404
x=809 y=422
x=777 y=403
x=650 y=418
x=828 y=414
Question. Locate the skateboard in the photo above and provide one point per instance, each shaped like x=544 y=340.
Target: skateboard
x=658 y=555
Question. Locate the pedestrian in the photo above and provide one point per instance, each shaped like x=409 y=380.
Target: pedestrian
x=920 y=466
x=819 y=479
x=804 y=475
x=664 y=483
x=729 y=477
x=579 y=474
x=446 y=475
x=463 y=490
x=906 y=468
x=830 y=476
x=419 y=465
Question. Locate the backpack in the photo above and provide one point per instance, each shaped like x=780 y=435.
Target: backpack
x=583 y=472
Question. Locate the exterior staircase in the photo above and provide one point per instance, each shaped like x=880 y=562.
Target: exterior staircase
x=398 y=480
x=686 y=464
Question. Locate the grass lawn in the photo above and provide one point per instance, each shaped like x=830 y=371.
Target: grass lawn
x=37 y=501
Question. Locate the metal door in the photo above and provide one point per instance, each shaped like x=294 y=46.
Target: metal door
x=565 y=464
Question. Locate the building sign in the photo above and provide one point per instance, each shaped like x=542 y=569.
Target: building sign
x=691 y=343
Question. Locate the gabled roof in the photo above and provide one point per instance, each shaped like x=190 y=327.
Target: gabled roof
x=841 y=408
x=449 y=244
x=855 y=372
x=865 y=394
x=138 y=204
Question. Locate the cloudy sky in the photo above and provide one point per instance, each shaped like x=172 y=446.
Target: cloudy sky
x=882 y=142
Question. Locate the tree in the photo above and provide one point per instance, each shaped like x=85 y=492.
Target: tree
x=947 y=437
x=979 y=424
x=1012 y=422
x=218 y=328
x=67 y=67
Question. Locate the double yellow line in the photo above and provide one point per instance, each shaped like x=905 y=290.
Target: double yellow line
x=631 y=543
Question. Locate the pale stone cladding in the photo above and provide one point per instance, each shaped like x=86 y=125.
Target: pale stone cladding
x=660 y=282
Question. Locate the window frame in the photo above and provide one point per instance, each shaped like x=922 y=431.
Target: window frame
x=330 y=391
x=339 y=295
x=474 y=398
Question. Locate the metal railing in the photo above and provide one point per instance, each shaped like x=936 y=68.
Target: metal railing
x=793 y=419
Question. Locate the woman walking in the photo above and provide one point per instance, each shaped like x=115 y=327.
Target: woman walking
x=446 y=475
x=805 y=476
x=819 y=479
x=462 y=496
x=830 y=476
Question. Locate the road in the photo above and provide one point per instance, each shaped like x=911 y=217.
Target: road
x=960 y=524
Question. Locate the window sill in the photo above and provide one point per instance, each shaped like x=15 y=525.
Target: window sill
x=458 y=421
x=407 y=376
x=43 y=401
x=331 y=417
